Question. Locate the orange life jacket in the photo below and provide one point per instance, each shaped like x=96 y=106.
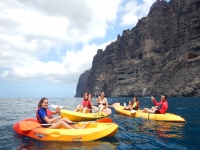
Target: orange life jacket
x=48 y=112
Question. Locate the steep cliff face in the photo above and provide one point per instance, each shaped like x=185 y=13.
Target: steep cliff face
x=161 y=54
x=82 y=83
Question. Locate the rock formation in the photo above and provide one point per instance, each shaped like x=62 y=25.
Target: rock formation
x=82 y=83
x=161 y=54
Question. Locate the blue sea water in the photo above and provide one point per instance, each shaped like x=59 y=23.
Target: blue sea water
x=133 y=133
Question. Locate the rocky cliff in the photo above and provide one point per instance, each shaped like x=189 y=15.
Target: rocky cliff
x=82 y=83
x=161 y=54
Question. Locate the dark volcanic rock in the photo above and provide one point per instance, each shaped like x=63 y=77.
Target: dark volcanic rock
x=161 y=54
x=82 y=83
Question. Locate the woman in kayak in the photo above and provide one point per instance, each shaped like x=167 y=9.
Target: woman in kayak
x=45 y=116
x=134 y=105
x=86 y=104
x=94 y=108
x=102 y=101
x=90 y=97
x=160 y=108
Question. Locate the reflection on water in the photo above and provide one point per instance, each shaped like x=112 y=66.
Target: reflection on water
x=163 y=129
x=32 y=144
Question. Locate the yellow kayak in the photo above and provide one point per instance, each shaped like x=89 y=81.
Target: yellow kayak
x=160 y=117
x=78 y=116
x=93 y=131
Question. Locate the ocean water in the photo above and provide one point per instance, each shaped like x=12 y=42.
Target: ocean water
x=133 y=133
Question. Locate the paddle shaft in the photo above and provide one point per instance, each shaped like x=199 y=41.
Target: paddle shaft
x=55 y=106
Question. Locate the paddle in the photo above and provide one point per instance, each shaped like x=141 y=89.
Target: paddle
x=29 y=125
x=107 y=111
x=133 y=111
x=55 y=106
x=115 y=104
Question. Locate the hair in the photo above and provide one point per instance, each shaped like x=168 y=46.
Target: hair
x=165 y=96
x=85 y=93
x=102 y=92
x=41 y=101
x=135 y=98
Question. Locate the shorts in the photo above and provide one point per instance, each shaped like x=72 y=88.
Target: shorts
x=157 y=112
x=46 y=126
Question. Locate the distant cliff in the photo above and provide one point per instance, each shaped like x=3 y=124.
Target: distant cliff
x=82 y=83
x=161 y=54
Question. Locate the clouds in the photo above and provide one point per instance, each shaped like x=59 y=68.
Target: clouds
x=62 y=31
x=134 y=10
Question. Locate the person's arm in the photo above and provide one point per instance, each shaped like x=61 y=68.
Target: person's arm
x=49 y=121
x=97 y=100
x=57 y=111
x=106 y=101
x=91 y=103
x=154 y=101
x=45 y=118
x=82 y=103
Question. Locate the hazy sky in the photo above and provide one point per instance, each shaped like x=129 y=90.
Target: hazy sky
x=46 y=45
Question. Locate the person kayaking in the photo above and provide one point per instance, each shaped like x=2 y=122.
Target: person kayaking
x=133 y=105
x=90 y=97
x=86 y=105
x=102 y=101
x=160 y=108
x=94 y=108
x=45 y=116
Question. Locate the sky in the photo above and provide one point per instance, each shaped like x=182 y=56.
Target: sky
x=46 y=45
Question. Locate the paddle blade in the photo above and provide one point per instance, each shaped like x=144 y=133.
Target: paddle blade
x=115 y=104
x=55 y=106
x=133 y=111
x=28 y=125
x=105 y=120
x=107 y=111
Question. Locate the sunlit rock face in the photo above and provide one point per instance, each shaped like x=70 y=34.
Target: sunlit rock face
x=161 y=54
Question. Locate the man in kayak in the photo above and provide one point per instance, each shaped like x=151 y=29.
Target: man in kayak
x=44 y=116
x=160 y=107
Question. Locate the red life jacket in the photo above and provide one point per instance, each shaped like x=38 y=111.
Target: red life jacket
x=48 y=112
x=163 y=106
x=86 y=103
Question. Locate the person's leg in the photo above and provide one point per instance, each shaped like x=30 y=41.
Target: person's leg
x=126 y=108
x=85 y=110
x=95 y=109
x=61 y=124
x=154 y=108
x=65 y=120
x=77 y=108
x=77 y=127
x=129 y=107
x=146 y=110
